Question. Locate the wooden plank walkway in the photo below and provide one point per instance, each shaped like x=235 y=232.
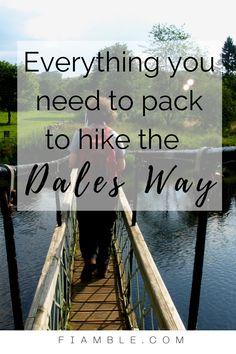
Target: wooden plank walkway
x=96 y=305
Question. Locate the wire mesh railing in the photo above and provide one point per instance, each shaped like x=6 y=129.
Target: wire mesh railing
x=146 y=299
x=52 y=300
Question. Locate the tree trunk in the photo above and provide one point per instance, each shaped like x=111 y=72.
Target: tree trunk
x=9 y=117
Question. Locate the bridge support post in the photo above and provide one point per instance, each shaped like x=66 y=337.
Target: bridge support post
x=10 y=247
x=135 y=190
x=197 y=270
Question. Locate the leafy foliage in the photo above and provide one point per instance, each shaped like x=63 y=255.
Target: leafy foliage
x=229 y=56
x=165 y=40
x=166 y=33
x=170 y=40
x=8 y=84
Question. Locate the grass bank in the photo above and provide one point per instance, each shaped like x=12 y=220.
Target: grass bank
x=32 y=127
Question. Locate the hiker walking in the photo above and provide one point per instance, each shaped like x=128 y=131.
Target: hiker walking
x=101 y=165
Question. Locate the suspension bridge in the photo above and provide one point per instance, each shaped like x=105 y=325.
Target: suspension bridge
x=133 y=296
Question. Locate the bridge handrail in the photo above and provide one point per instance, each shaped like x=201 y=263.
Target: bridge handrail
x=38 y=318
x=47 y=310
x=162 y=306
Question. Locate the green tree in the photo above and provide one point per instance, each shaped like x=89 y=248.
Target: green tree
x=228 y=100
x=120 y=75
x=50 y=83
x=170 y=40
x=28 y=89
x=167 y=33
x=8 y=87
x=228 y=56
x=115 y=78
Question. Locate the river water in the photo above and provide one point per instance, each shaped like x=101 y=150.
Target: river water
x=171 y=238
x=33 y=233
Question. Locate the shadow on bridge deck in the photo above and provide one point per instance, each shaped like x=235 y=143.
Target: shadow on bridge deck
x=96 y=305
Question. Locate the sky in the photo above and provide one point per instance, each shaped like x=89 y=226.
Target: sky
x=122 y=20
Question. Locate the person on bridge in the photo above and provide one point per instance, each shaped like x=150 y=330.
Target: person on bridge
x=94 y=150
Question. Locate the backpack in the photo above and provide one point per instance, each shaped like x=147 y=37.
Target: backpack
x=102 y=160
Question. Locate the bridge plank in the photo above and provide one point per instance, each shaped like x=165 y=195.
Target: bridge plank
x=87 y=326
x=96 y=305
